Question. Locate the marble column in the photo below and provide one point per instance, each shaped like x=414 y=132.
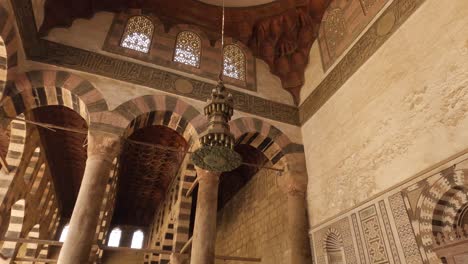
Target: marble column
x=204 y=233
x=298 y=227
x=102 y=149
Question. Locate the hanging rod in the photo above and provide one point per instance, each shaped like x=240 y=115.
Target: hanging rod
x=165 y=148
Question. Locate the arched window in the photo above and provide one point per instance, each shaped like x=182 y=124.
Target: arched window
x=234 y=62
x=137 y=239
x=138 y=33
x=64 y=233
x=188 y=49
x=114 y=238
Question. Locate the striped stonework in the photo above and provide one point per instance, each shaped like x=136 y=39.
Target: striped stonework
x=38 y=179
x=183 y=206
x=107 y=210
x=14 y=228
x=3 y=64
x=273 y=143
x=43 y=253
x=44 y=195
x=9 y=41
x=161 y=110
x=31 y=168
x=13 y=159
x=30 y=249
x=44 y=88
x=445 y=195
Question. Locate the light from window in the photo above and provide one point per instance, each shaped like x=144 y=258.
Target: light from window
x=137 y=239
x=234 y=62
x=188 y=48
x=64 y=233
x=114 y=238
x=138 y=34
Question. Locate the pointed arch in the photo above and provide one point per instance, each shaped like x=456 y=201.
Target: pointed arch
x=13 y=158
x=163 y=110
x=188 y=48
x=440 y=206
x=31 y=168
x=45 y=88
x=138 y=34
x=271 y=141
x=14 y=228
x=38 y=179
x=9 y=41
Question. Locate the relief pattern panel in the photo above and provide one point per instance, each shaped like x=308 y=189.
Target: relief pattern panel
x=343 y=227
x=373 y=235
x=403 y=224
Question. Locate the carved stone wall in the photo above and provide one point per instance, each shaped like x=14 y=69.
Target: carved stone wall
x=400 y=225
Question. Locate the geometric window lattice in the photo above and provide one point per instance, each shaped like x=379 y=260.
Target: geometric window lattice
x=188 y=49
x=138 y=34
x=137 y=239
x=234 y=62
x=114 y=238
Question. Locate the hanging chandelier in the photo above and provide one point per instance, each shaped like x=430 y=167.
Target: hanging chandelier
x=217 y=142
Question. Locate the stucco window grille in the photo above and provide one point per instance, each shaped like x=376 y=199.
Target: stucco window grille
x=188 y=49
x=138 y=34
x=234 y=62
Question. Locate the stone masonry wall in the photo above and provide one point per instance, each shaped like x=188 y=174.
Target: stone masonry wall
x=253 y=222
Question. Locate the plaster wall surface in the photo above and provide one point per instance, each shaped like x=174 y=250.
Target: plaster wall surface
x=90 y=34
x=252 y=223
x=403 y=111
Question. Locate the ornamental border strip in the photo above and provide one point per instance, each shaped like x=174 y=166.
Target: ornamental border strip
x=44 y=51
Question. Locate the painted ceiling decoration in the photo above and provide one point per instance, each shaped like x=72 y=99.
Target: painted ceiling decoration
x=281 y=32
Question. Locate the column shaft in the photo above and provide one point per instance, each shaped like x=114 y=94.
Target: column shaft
x=204 y=234
x=84 y=220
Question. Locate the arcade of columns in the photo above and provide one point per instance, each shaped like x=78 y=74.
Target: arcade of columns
x=104 y=147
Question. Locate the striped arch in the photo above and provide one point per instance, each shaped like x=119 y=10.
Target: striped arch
x=38 y=180
x=29 y=250
x=273 y=143
x=9 y=41
x=31 y=168
x=44 y=88
x=13 y=159
x=441 y=204
x=162 y=110
x=14 y=228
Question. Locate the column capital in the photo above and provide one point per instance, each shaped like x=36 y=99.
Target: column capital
x=207 y=175
x=103 y=145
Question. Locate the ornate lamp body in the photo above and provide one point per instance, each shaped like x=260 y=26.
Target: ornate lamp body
x=217 y=142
